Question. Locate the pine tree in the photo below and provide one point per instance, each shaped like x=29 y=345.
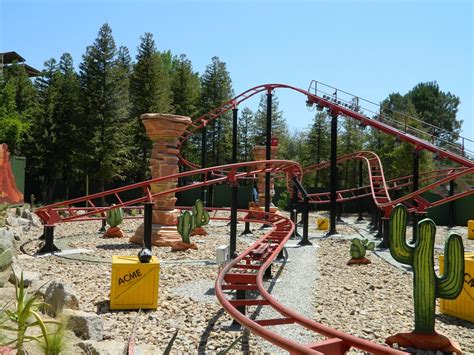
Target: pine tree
x=185 y=86
x=317 y=148
x=149 y=92
x=245 y=129
x=101 y=90
x=216 y=88
x=279 y=126
x=42 y=148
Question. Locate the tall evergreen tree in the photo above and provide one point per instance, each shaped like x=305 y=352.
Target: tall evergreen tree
x=216 y=88
x=279 y=126
x=246 y=130
x=42 y=148
x=149 y=92
x=185 y=86
x=317 y=148
x=102 y=90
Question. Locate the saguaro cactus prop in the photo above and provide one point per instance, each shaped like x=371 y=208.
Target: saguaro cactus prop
x=358 y=250
x=6 y=257
x=114 y=218
x=186 y=224
x=201 y=217
x=426 y=285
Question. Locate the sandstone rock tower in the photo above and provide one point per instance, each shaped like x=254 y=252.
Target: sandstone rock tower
x=164 y=131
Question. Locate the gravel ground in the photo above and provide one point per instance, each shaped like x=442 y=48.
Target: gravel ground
x=372 y=301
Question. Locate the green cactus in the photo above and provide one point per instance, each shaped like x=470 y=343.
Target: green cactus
x=426 y=285
x=186 y=224
x=3 y=214
x=114 y=217
x=200 y=215
x=18 y=211
x=6 y=257
x=359 y=248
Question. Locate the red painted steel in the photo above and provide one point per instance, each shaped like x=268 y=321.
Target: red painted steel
x=236 y=276
x=335 y=108
x=64 y=211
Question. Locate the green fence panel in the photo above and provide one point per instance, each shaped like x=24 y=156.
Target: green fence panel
x=18 y=168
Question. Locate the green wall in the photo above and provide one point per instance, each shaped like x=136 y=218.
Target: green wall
x=18 y=167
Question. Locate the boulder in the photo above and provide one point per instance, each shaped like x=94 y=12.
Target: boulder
x=28 y=276
x=7 y=239
x=87 y=326
x=107 y=347
x=18 y=222
x=61 y=295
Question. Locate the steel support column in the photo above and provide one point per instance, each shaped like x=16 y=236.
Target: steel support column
x=385 y=226
x=147 y=224
x=48 y=246
x=268 y=152
x=233 y=202
x=333 y=177
x=452 y=205
x=361 y=205
x=203 y=162
x=415 y=186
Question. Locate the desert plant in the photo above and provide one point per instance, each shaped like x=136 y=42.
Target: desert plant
x=6 y=257
x=186 y=224
x=426 y=285
x=55 y=341
x=360 y=247
x=114 y=217
x=24 y=316
x=200 y=215
x=3 y=214
x=18 y=211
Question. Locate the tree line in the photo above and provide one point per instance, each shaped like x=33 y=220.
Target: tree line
x=83 y=125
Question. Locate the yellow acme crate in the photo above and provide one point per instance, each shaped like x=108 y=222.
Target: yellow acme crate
x=470 y=229
x=134 y=284
x=322 y=223
x=463 y=306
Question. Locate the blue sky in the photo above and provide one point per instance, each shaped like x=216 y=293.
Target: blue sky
x=369 y=48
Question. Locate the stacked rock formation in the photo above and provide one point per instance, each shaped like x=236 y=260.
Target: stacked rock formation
x=259 y=153
x=164 y=131
x=9 y=192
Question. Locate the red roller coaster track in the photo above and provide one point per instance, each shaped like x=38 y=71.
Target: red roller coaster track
x=245 y=272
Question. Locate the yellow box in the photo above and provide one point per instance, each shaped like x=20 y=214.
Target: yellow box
x=134 y=284
x=463 y=306
x=322 y=223
x=470 y=229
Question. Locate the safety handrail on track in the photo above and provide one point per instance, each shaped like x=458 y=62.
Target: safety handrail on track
x=355 y=103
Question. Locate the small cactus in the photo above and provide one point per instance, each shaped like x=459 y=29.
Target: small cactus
x=6 y=257
x=114 y=217
x=18 y=211
x=3 y=214
x=186 y=224
x=200 y=215
x=359 y=248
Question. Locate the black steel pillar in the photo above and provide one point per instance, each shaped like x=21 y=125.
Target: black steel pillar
x=379 y=234
x=361 y=200
x=233 y=202
x=294 y=211
x=102 y=227
x=452 y=205
x=415 y=186
x=385 y=233
x=305 y=240
x=333 y=187
x=147 y=224
x=48 y=246
x=268 y=152
x=203 y=162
